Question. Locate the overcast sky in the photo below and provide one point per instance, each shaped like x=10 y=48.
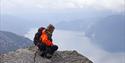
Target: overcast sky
x=25 y=5
x=54 y=11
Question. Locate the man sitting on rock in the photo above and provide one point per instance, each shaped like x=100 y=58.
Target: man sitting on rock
x=43 y=40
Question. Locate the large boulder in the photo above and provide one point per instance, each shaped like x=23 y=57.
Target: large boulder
x=28 y=56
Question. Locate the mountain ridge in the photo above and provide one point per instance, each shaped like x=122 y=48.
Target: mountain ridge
x=10 y=41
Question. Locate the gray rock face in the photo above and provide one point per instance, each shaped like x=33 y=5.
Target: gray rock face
x=28 y=56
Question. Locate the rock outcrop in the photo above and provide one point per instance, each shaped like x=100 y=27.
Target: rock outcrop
x=28 y=56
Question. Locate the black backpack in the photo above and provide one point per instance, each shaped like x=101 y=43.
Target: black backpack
x=37 y=36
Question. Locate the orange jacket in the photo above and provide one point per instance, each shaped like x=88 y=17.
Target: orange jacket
x=44 y=39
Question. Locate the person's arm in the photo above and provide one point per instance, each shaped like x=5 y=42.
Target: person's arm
x=45 y=40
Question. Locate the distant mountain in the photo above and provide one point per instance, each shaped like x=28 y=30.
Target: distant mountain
x=81 y=22
x=109 y=33
x=76 y=25
x=10 y=41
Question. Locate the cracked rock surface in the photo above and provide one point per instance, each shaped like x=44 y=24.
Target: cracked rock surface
x=27 y=56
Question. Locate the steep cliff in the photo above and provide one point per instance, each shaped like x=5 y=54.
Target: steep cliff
x=28 y=56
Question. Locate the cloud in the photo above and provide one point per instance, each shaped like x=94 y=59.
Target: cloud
x=72 y=40
x=114 y=5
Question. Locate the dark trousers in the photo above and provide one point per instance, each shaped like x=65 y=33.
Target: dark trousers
x=47 y=49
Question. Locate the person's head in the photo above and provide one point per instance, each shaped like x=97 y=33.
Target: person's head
x=50 y=28
x=41 y=29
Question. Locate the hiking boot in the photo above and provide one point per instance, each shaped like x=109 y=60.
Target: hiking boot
x=48 y=56
x=42 y=53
